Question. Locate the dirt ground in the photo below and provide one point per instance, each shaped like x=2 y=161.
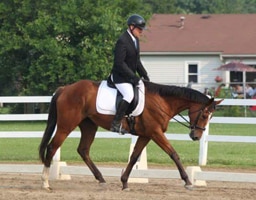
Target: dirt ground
x=28 y=186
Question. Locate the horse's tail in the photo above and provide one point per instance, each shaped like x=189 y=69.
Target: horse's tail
x=51 y=123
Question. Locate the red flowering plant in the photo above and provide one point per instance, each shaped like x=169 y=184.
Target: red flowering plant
x=218 y=79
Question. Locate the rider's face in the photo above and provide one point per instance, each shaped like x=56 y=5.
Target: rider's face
x=137 y=32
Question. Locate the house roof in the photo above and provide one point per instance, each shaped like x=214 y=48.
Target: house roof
x=228 y=34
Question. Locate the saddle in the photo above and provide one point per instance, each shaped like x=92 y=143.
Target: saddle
x=119 y=96
x=108 y=97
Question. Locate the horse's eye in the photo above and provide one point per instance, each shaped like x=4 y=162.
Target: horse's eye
x=204 y=116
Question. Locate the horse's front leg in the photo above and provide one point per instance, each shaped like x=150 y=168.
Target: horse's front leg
x=139 y=146
x=162 y=141
x=175 y=157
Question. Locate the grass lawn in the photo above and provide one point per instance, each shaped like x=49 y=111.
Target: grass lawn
x=232 y=155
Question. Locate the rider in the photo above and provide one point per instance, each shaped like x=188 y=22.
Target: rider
x=126 y=64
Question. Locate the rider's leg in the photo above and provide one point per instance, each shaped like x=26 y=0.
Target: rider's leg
x=126 y=89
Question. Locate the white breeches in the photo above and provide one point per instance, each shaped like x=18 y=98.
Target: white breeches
x=126 y=89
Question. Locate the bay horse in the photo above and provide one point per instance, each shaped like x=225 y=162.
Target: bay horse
x=75 y=105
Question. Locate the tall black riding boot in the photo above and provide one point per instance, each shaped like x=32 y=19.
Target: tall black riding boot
x=116 y=125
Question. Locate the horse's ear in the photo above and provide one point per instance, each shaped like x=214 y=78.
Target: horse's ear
x=218 y=102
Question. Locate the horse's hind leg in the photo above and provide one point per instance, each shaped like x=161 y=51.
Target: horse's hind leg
x=52 y=147
x=88 y=131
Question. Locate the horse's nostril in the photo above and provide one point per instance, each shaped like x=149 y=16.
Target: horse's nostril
x=193 y=137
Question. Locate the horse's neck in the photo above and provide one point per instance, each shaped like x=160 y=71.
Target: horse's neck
x=177 y=105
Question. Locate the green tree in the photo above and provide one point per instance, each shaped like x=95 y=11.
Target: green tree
x=76 y=44
x=45 y=44
x=165 y=7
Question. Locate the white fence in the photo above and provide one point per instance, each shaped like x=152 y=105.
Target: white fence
x=196 y=175
x=203 y=142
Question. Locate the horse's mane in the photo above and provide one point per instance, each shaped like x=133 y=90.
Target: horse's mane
x=182 y=92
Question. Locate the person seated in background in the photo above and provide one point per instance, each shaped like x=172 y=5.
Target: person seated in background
x=250 y=92
x=237 y=91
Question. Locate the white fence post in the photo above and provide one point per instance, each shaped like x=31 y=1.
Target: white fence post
x=56 y=157
x=204 y=147
x=141 y=163
x=55 y=168
x=55 y=172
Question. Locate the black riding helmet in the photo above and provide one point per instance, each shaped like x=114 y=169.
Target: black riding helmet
x=137 y=21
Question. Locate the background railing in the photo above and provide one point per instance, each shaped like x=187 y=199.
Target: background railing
x=203 y=142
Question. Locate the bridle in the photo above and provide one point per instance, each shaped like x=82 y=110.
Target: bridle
x=194 y=126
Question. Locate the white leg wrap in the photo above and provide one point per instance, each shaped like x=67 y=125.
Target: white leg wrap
x=45 y=177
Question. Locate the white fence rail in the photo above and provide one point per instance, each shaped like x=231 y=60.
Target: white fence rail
x=196 y=175
x=203 y=142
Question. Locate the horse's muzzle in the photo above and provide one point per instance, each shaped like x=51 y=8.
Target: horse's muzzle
x=193 y=136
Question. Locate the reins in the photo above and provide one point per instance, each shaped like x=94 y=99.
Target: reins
x=192 y=127
x=182 y=122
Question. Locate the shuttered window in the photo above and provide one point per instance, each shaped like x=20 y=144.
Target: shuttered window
x=193 y=73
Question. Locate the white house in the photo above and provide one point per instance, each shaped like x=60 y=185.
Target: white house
x=179 y=49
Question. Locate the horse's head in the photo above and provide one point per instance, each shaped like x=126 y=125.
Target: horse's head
x=199 y=116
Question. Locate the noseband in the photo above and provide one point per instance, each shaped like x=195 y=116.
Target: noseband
x=194 y=126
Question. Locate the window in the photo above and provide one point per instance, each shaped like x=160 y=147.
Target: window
x=193 y=73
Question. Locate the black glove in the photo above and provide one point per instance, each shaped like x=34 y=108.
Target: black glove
x=135 y=80
x=146 y=78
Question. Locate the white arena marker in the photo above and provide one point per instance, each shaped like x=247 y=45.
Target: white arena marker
x=55 y=172
x=191 y=174
x=140 y=164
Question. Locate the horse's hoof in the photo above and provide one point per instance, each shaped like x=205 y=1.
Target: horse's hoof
x=189 y=187
x=49 y=189
x=126 y=189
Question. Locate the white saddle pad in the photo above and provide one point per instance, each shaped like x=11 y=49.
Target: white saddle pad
x=106 y=100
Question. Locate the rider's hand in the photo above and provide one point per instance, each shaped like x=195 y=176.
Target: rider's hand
x=146 y=78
